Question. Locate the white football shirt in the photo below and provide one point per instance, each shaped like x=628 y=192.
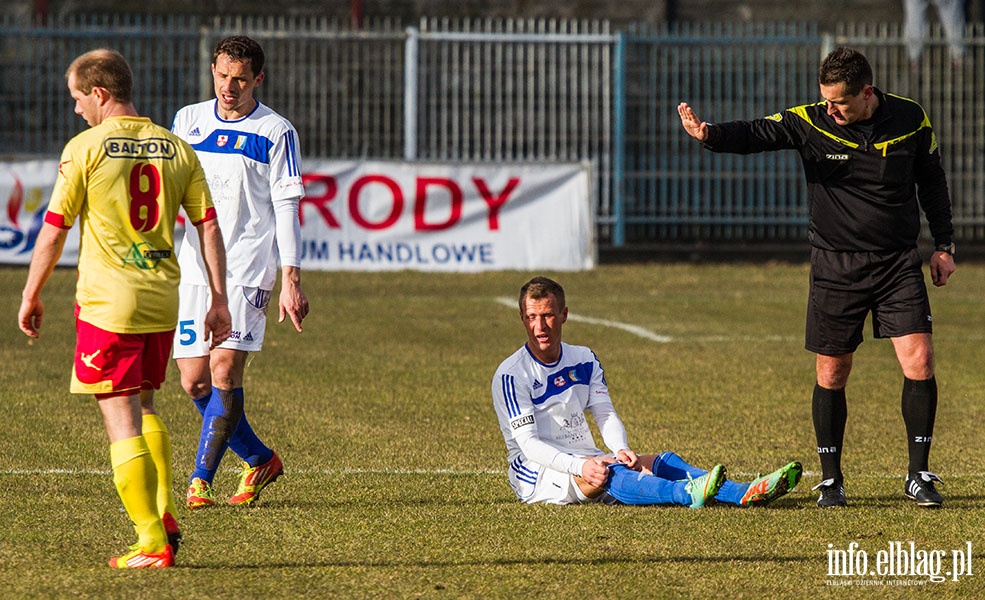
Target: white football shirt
x=541 y=410
x=251 y=164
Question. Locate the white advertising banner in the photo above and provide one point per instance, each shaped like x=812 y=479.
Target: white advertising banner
x=389 y=215
x=25 y=188
x=381 y=215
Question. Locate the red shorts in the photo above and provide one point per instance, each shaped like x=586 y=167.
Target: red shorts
x=113 y=364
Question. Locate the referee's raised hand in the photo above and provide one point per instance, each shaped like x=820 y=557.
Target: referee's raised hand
x=694 y=126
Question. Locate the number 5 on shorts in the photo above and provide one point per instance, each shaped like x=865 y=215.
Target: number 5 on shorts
x=187 y=334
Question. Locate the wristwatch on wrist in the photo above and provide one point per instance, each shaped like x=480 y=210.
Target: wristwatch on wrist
x=948 y=247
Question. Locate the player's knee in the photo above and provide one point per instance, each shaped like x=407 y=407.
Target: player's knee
x=226 y=374
x=589 y=490
x=833 y=372
x=196 y=388
x=223 y=379
x=919 y=372
x=918 y=364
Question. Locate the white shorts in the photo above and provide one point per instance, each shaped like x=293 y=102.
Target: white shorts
x=534 y=483
x=247 y=307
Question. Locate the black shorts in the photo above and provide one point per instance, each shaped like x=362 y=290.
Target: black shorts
x=847 y=286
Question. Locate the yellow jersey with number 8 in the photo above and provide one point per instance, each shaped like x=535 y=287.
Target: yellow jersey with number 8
x=124 y=181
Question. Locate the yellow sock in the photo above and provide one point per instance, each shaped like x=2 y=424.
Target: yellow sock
x=136 y=481
x=159 y=442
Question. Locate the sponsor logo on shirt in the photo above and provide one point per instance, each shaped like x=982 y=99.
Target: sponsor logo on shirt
x=139 y=148
x=537 y=384
x=145 y=258
x=195 y=133
x=522 y=421
x=836 y=156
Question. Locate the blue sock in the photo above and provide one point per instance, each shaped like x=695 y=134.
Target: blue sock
x=671 y=466
x=202 y=403
x=245 y=443
x=221 y=416
x=634 y=487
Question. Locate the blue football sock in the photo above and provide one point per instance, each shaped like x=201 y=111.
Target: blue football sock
x=245 y=443
x=202 y=403
x=220 y=419
x=671 y=466
x=634 y=487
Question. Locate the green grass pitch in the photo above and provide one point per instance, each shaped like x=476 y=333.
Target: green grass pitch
x=395 y=469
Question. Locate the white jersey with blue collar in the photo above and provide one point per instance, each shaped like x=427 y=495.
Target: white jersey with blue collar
x=541 y=410
x=253 y=166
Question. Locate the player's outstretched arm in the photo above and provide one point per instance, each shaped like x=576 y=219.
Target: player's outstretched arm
x=694 y=126
x=47 y=251
x=293 y=301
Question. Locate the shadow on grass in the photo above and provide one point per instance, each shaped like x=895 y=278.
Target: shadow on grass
x=898 y=500
x=889 y=501
x=573 y=561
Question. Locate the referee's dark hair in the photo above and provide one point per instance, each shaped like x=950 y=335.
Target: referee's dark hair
x=848 y=66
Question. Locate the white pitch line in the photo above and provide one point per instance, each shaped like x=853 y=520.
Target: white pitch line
x=633 y=329
x=665 y=339
x=740 y=475
x=745 y=338
x=37 y=472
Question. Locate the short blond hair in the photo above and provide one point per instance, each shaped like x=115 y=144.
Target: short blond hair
x=103 y=68
x=539 y=288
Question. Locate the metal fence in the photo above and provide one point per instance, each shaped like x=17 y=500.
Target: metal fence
x=526 y=90
x=673 y=189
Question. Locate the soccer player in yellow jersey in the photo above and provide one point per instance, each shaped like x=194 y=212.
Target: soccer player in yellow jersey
x=124 y=180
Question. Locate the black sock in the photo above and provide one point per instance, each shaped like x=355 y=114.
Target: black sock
x=919 y=406
x=830 y=411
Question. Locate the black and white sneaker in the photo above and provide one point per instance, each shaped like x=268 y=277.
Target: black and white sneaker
x=920 y=488
x=832 y=493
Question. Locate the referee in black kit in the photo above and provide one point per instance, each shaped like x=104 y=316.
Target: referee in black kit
x=872 y=162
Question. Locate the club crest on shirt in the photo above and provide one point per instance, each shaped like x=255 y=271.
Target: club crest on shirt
x=559 y=381
x=221 y=140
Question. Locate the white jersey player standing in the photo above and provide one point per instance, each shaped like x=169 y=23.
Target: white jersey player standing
x=252 y=161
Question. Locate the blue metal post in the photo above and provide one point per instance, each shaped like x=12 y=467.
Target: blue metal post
x=410 y=94
x=619 y=142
